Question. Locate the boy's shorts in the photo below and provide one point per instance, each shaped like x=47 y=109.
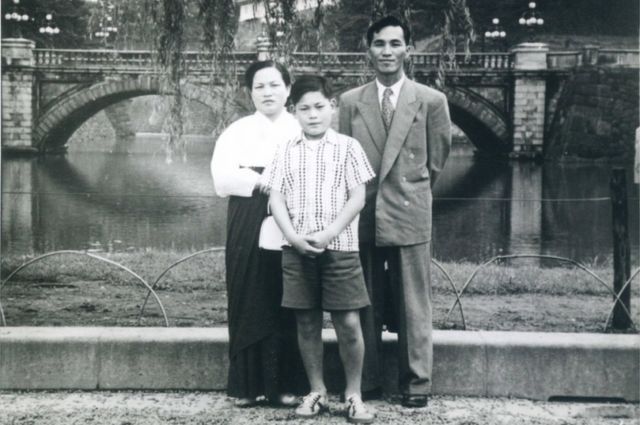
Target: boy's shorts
x=331 y=281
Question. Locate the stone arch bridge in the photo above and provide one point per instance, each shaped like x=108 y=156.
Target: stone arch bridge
x=502 y=101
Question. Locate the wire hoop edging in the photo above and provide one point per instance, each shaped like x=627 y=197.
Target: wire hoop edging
x=617 y=299
x=550 y=257
x=49 y=254
x=161 y=275
x=219 y=249
x=455 y=291
x=4 y=323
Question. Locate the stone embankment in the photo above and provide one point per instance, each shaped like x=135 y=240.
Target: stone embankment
x=596 y=115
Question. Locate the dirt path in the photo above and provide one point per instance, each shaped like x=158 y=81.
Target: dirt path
x=191 y=408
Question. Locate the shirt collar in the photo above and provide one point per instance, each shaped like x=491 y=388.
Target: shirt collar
x=330 y=137
x=396 y=87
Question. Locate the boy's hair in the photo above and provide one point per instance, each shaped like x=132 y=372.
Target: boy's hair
x=257 y=66
x=310 y=83
x=388 y=21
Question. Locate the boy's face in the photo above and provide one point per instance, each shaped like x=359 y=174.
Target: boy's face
x=388 y=51
x=314 y=112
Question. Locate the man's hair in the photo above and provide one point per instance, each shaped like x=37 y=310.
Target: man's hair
x=307 y=84
x=250 y=73
x=388 y=21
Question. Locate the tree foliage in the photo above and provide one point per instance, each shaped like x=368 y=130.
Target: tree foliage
x=289 y=30
x=71 y=16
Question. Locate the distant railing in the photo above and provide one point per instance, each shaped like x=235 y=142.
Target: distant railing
x=569 y=59
x=619 y=57
x=610 y=57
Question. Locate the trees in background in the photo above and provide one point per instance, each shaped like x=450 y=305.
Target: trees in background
x=71 y=16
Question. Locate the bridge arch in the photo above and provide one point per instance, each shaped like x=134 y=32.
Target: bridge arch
x=65 y=115
x=485 y=125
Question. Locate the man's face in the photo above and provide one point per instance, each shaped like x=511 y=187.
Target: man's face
x=388 y=51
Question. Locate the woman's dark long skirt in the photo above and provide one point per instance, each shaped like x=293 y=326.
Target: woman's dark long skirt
x=262 y=335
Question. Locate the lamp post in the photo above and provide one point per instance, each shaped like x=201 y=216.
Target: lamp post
x=14 y=16
x=274 y=20
x=106 y=33
x=49 y=28
x=107 y=29
x=531 y=20
x=496 y=34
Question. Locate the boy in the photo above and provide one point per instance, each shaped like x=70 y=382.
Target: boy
x=317 y=189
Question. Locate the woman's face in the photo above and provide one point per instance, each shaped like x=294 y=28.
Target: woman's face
x=269 y=92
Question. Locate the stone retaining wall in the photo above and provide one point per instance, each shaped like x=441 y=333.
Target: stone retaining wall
x=596 y=116
x=474 y=363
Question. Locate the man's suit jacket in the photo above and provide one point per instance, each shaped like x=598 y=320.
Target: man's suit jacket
x=406 y=162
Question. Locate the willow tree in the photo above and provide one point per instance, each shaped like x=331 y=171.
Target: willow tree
x=219 y=26
x=289 y=30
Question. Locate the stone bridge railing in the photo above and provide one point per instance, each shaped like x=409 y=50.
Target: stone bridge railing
x=144 y=61
x=591 y=55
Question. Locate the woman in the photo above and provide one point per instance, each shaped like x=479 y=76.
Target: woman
x=262 y=344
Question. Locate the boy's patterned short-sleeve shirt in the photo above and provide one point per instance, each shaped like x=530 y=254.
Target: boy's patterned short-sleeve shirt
x=315 y=178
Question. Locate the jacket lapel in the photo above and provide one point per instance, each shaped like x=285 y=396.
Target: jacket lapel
x=406 y=109
x=369 y=107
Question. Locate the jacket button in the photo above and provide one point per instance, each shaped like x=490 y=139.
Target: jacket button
x=411 y=155
x=404 y=179
x=406 y=203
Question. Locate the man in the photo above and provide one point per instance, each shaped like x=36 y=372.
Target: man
x=405 y=130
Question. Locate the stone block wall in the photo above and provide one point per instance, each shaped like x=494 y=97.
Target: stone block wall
x=528 y=114
x=596 y=116
x=17 y=109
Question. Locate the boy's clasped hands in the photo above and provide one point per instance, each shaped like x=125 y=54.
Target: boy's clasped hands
x=313 y=244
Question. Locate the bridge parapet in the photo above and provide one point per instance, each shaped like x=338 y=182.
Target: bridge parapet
x=124 y=60
x=144 y=60
x=592 y=55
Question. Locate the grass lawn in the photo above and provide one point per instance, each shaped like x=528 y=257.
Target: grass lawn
x=78 y=290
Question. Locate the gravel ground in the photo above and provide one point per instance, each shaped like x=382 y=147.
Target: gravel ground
x=191 y=408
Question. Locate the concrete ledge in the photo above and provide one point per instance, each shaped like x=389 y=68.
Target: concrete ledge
x=519 y=364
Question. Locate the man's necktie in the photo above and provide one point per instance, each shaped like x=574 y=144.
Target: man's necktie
x=387 y=108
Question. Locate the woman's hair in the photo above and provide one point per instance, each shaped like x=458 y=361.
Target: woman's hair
x=257 y=66
x=310 y=83
x=388 y=21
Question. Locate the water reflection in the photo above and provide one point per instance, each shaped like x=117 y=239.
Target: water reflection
x=117 y=202
x=516 y=208
x=92 y=201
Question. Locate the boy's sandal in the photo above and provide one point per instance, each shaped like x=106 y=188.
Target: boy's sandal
x=312 y=405
x=358 y=412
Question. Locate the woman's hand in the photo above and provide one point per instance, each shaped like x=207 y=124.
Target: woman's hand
x=303 y=247
x=262 y=188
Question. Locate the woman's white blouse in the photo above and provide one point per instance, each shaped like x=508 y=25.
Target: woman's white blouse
x=251 y=141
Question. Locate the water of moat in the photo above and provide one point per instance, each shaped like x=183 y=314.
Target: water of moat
x=101 y=201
